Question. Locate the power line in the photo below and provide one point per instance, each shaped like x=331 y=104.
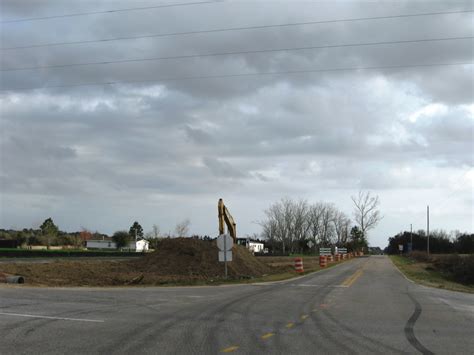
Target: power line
x=228 y=29
x=237 y=75
x=236 y=52
x=105 y=12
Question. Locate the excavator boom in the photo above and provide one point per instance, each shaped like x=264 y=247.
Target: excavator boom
x=226 y=218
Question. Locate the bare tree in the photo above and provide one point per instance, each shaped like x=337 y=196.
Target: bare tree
x=155 y=231
x=327 y=229
x=341 y=227
x=290 y=224
x=366 y=213
x=182 y=228
x=315 y=216
x=300 y=225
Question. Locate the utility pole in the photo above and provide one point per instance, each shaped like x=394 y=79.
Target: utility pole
x=428 y=229
x=411 y=235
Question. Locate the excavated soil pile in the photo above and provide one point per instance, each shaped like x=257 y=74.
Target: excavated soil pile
x=197 y=259
x=176 y=261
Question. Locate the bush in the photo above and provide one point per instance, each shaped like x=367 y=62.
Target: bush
x=121 y=239
x=463 y=272
x=421 y=256
x=461 y=269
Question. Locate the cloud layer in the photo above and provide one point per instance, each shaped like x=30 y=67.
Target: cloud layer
x=101 y=156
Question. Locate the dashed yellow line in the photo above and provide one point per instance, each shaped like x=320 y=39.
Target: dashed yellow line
x=229 y=349
x=353 y=278
x=304 y=316
x=267 y=335
x=290 y=325
x=314 y=310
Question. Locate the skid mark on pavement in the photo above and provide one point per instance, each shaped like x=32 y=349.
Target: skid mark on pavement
x=409 y=333
x=53 y=318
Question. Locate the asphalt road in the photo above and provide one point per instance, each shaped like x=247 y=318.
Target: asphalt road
x=361 y=306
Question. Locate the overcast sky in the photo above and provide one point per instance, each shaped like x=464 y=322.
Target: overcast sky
x=159 y=151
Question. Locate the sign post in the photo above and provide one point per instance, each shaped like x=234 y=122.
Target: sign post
x=225 y=243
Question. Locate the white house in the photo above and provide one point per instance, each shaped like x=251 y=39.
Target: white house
x=255 y=247
x=138 y=246
x=100 y=244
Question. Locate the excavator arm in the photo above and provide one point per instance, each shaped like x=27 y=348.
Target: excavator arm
x=226 y=217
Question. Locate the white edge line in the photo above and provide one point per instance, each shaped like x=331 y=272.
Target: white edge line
x=403 y=274
x=49 y=317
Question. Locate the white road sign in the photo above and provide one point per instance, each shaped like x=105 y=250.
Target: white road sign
x=227 y=257
x=225 y=244
x=325 y=251
x=310 y=244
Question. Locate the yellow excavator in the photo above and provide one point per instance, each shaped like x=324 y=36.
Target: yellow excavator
x=225 y=217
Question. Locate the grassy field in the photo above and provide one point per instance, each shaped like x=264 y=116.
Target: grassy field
x=44 y=253
x=424 y=274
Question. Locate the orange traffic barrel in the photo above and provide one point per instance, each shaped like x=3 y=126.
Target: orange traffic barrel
x=299 y=265
x=338 y=257
x=330 y=259
x=323 y=261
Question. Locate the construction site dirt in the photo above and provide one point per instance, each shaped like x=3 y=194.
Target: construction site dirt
x=176 y=261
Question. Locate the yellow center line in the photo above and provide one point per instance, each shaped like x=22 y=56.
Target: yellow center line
x=351 y=279
x=304 y=316
x=290 y=325
x=267 y=335
x=229 y=349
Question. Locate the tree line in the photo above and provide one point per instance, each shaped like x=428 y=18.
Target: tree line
x=49 y=234
x=298 y=226
x=441 y=242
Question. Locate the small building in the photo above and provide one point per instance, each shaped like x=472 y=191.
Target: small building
x=255 y=247
x=138 y=246
x=252 y=245
x=100 y=244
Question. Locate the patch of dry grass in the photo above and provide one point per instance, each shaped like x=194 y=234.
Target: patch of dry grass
x=425 y=274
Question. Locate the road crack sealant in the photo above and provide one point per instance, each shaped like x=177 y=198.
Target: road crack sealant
x=409 y=331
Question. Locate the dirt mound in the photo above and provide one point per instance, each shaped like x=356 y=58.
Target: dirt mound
x=74 y=273
x=197 y=259
x=176 y=261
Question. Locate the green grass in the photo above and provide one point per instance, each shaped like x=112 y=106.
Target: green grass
x=14 y=253
x=425 y=274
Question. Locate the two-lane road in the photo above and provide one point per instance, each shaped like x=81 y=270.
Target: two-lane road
x=361 y=306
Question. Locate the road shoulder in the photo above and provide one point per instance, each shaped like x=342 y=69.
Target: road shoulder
x=417 y=273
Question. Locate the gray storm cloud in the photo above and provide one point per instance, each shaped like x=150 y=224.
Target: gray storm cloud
x=320 y=135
